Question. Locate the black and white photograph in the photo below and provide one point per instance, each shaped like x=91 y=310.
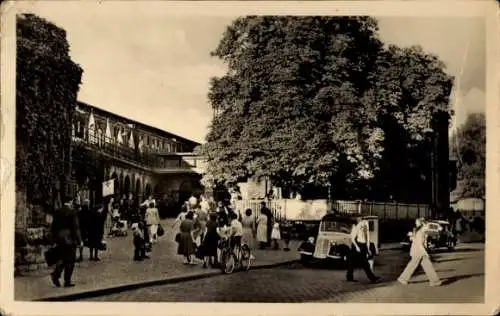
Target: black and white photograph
x=260 y=156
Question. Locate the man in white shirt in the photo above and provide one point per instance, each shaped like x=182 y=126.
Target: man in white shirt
x=360 y=239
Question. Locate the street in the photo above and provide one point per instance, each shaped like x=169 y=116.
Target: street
x=462 y=273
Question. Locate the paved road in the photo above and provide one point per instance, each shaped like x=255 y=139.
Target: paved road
x=462 y=271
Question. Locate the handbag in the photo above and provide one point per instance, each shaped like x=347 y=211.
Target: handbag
x=160 y=231
x=178 y=237
x=51 y=256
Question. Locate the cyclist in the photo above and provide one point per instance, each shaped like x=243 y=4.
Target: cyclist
x=236 y=234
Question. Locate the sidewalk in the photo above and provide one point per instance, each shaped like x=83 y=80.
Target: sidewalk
x=117 y=271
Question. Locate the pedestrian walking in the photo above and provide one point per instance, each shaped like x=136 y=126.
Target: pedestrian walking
x=97 y=220
x=193 y=202
x=186 y=241
x=262 y=230
x=419 y=256
x=211 y=240
x=276 y=236
x=223 y=213
x=67 y=237
x=139 y=243
x=204 y=204
x=266 y=211
x=84 y=220
x=249 y=229
x=152 y=219
x=360 y=251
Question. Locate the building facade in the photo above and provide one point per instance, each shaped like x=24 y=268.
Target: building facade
x=142 y=160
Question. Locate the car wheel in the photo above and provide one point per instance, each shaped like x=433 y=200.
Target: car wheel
x=305 y=259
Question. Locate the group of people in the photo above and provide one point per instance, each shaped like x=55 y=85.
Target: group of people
x=77 y=225
x=201 y=225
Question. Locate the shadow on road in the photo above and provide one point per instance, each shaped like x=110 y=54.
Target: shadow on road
x=450 y=280
x=451 y=259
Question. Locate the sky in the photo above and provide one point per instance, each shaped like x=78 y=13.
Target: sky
x=155 y=67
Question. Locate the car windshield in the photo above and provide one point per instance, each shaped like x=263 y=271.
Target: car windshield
x=433 y=226
x=336 y=226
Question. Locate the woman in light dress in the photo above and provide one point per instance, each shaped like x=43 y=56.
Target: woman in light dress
x=419 y=256
x=248 y=223
x=275 y=236
x=262 y=230
x=180 y=218
x=152 y=220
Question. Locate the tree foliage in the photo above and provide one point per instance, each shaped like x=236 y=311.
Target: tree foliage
x=468 y=145
x=317 y=100
x=47 y=84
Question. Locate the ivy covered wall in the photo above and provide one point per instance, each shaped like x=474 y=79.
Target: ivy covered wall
x=47 y=85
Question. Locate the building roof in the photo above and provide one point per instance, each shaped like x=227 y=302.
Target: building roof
x=143 y=126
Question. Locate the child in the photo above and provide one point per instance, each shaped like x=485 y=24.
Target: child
x=276 y=236
x=139 y=249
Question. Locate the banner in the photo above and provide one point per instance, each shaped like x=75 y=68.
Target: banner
x=108 y=187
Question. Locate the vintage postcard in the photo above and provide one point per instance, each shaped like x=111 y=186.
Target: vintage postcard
x=321 y=157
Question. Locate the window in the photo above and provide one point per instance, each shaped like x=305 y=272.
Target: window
x=336 y=226
x=371 y=225
x=79 y=129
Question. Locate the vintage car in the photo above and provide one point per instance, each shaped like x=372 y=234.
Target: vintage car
x=333 y=240
x=439 y=235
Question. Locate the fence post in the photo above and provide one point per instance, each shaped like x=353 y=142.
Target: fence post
x=371 y=208
x=397 y=215
x=385 y=207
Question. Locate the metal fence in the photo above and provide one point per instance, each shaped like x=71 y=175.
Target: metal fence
x=283 y=209
x=388 y=210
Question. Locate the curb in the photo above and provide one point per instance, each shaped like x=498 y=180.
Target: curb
x=134 y=286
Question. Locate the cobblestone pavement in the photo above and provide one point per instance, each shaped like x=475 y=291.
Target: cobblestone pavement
x=117 y=268
x=462 y=271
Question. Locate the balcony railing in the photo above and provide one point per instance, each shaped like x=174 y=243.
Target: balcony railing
x=134 y=155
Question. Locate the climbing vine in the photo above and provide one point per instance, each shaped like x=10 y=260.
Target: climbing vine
x=47 y=84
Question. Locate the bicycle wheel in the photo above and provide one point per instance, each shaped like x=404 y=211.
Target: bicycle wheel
x=228 y=261
x=246 y=257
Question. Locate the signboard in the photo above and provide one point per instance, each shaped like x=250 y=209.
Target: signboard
x=108 y=187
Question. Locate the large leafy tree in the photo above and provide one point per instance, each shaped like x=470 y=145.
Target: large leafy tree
x=317 y=100
x=468 y=145
x=47 y=83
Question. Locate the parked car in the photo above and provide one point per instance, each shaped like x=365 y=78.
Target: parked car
x=333 y=241
x=439 y=235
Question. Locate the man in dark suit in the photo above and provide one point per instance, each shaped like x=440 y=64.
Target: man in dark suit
x=67 y=237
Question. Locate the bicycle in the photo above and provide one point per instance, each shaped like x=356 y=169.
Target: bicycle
x=230 y=260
